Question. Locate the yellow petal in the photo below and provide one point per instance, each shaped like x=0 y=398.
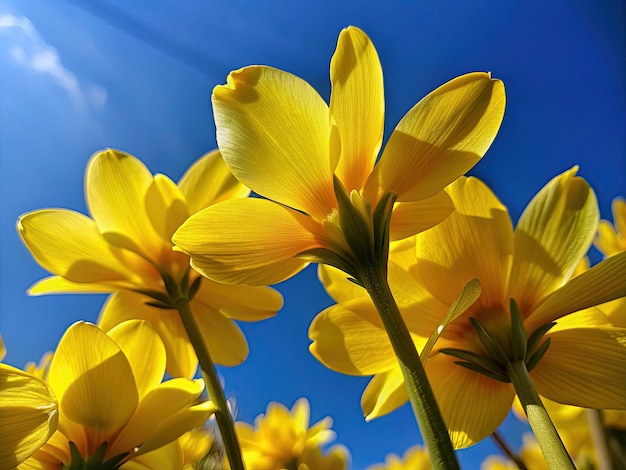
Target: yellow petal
x=83 y=368
x=474 y=242
x=165 y=206
x=167 y=456
x=385 y=393
x=440 y=138
x=584 y=367
x=337 y=285
x=28 y=415
x=124 y=305
x=607 y=240
x=301 y=413
x=59 y=285
x=116 y=185
x=69 y=244
x=227 y=344
x=357 y=105
x=3 y=349
x=144 y=350
x=247 y=241
x=414 y=217
x=349 y=337
x=247 y=303
x=604 y=282
x=472 y=405
x=273 y=130
x=163 y=415
x=209 y=181
x=553 y=234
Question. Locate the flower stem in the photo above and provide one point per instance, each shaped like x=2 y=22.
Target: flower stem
x=432 y=426
x=598 y=437
x=548 y=439
x=504 y=447
x=216 y=394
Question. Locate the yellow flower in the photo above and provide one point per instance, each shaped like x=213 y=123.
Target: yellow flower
x=534 y=264
x=283 y=440
x=113 y=405
x=28 y=413
x=611 y=240
x=327 y=201
x=126 y=249
x=416 y=458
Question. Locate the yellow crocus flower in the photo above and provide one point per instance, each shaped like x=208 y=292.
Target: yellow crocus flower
x=415 y=458
x=28 y=413
x=611 y=239
x=315 y=165
x=126 y=249
x=533 y=264
x=113 y=404
x=282 y=440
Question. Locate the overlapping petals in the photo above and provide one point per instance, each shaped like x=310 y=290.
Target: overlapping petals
x=138 y=415
x=533 y=264
x=281 y=139
x=126 y=249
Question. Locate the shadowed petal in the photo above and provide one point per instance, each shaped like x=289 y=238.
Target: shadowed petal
x=385 y=392
x=165 y=206
x=475 y=241
x=553 y=234
x=440 y=138
x=273 y=130
x=225 y=341
x=349 y=337
x=167 y=456
x=472 y=405
x=69 y=244
x=59 y=285
x=410 y=218
x=247 y=241
x=357 y=105
x=337 y=285
x=584 y=367
x=209 y=181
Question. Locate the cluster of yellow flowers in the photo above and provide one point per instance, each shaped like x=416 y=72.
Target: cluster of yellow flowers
x=438 y=297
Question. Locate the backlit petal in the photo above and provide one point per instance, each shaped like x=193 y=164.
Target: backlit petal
x=584 y=367
x=69 y=244
x=60 y=285
x=349 y=337
x=209 y=181
x=385 y=392
x=144 y=350
x=440 y=138
x=273 y=130
x=83 y=368
x=603 y=282
x=472 y=405
x=607 y=240
x=124 y=305
x=337 y=285
x=165 y=206
x=475 y=241
x=357 y=105
x=167 y=456
x=414 y=217
x=247 y=241
x=28 y=415
x=553 y=234
x=247 y=303
x=116 y=186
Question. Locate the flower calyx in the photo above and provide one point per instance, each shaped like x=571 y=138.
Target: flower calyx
x=495 y=364
x=173 y=291
x=96 y=461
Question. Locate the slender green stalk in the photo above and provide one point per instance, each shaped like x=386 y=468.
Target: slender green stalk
x=422 y=399
x=598 y=437
x=216 y=394
x=549 y=441
x=504 y=447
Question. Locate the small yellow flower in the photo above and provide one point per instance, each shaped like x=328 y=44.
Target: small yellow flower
x=326 y=199
x=416 y=458
x=113 y=406
x=612 y=239
x=283 y=440
x=532 y=264
x=28 y=413
x=126 y=249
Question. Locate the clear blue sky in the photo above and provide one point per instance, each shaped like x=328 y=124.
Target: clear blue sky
x=77 y=76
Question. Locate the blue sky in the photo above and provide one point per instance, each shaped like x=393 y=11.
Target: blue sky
x=78 y=76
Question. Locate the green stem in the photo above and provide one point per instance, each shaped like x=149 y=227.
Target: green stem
x=504 y=447
x=216 y=394
x=548 y=439
x=432 y=426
